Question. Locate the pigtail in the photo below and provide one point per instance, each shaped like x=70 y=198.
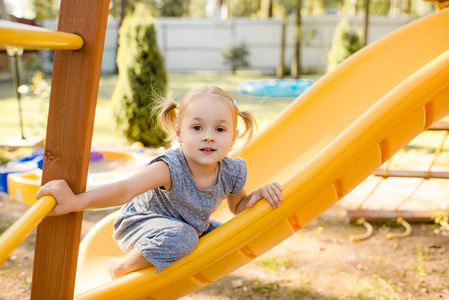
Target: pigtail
x=250 y=127
x=166 y=116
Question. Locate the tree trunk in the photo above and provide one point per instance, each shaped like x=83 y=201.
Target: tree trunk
x=296 y=62
x=352 y=8
x=267 y=9
x=281 y=67
x=222 y=4
x=366 y=24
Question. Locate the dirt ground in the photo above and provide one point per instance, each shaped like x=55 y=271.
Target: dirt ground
x=318 y=262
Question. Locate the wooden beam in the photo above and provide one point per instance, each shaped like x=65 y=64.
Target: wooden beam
x=73 y=97
x=411 y=174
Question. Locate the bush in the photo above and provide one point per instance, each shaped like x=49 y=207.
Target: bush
x=142 y=78
x=345 y=43
x=236 y=56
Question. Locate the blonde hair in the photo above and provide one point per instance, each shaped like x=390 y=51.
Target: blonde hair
x=171 y=114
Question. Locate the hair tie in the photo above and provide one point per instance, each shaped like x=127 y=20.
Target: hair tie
x=235 y=104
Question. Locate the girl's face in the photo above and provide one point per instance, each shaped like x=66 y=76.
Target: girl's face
x=207 y=130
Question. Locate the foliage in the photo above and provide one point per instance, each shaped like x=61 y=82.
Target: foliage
x=36 y=104
x=236 y=56
x=283 y=8
x=169 y=8
x=4 y=159
x=345 y=43
x=243 y=8
x=46 y=9
x=376 y=7
x=197 y=9
x=157 y=8
x=326 y=4
x=142 y=79
x=49 y=9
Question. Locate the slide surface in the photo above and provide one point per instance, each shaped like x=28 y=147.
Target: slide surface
x=321 y=147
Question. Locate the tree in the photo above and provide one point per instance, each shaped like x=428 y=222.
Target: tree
x=243 y=8
x=158 y=8
x=236 y=56
x=345 y=43
x=46 y=9
x=266 y=9
x=142 y=78
x=285 y=8
x=296 y=68
x=197 y=9
x=169 y=8
x=365 y=24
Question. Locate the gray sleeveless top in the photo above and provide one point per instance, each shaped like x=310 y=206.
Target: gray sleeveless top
x=185 y=201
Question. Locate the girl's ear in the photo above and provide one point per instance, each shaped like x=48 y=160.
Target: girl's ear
x=178 y=135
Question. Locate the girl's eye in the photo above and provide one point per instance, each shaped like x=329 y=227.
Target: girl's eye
x=221 y=129
x=197 y=127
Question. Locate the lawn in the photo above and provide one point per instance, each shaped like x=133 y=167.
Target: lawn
x=265 y=109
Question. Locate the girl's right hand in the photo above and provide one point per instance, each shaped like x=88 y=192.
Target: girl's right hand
x=66 y=200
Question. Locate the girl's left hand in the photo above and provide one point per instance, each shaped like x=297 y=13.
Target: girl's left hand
x=270 y=192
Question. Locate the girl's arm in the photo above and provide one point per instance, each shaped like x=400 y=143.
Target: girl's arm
x=270 y=192
x=113 y=194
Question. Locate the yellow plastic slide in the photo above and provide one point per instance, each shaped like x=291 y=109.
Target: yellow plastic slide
x=322 y=146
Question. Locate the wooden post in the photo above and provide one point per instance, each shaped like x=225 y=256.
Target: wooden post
x=366 y=24
x=73 y=97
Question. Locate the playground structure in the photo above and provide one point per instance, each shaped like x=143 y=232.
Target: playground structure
x=429 y=213
x=322 y=146
x=23 y=186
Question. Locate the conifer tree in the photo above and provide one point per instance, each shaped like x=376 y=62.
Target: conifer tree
x=142 y=78
x=345 y=43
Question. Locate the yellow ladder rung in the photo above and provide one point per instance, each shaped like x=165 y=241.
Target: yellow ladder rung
x=33 y=37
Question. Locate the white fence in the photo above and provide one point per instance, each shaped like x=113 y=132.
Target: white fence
x=197 y=44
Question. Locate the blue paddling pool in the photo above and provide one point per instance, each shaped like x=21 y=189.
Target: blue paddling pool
x=274 y=87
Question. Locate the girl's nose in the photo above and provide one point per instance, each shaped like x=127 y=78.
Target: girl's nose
x=208 y=137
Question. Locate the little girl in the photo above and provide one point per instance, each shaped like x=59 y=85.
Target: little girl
x=167 y=205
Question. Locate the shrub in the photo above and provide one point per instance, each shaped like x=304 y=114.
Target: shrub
x=236 y=56
x=345 y=43
x=142 y=78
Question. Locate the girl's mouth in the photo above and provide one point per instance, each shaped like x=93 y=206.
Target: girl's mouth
x=207 y=150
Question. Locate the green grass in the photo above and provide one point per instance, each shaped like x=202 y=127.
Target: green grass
x=264 y=109
x=272 y=263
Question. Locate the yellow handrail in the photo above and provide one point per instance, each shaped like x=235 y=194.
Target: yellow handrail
x=17 y=232
x=33 y=37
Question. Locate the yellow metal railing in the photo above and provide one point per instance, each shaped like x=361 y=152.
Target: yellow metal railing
x=33 y=37
x=17 y=232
